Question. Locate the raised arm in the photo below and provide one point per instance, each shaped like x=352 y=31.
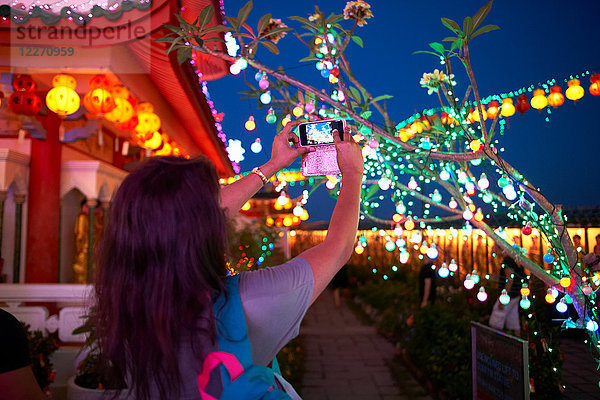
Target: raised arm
x=234 y=195
x=328 y=257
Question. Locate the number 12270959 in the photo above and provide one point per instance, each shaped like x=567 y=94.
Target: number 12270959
x=50 y=51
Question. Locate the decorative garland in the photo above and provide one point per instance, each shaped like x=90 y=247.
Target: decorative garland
x=50 y=18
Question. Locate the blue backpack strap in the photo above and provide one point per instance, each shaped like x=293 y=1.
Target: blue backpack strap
x=232 y=335
x=230 y=323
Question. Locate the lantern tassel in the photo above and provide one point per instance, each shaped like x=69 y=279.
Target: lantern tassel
x=100 y=136
x=116 y=144
x=61 y=132
x=21 y=135
x=125 y=150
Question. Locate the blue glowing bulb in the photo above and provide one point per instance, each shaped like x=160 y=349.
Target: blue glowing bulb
x=591 y=326
x=443 y=272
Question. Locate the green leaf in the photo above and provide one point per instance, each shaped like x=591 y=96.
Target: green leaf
x=468 y=26
x=382 y=97
x=233 y=22
x=305 y=21
x=437 y=47
x=185 y=26
x=481 y=14
x=217 y=28
x=426 y=52
x=449 y=39
x=274 y=32
x=244 y=12
x=355 y=94
x=198 y=40
x=166 y=38
x=366 y=114
x=176 y=41
x=310 y=57
x=271 y=47
x=333 y=18
x=357 y=40
x=452 y=25
x=484 y=29
x=205 y=15
x=183 y=54
x=456 y=44
x=372 y=190
x=262 y=23
x=175 y=29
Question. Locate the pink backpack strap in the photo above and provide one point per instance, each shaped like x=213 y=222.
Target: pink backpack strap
x=212 y=361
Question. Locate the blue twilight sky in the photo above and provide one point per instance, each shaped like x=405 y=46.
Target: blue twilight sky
x=537 y=41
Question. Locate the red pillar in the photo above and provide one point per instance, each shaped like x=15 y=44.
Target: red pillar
x=43 y=205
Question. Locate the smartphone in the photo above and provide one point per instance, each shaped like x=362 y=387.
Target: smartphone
x=322 y=161
x=320 y=132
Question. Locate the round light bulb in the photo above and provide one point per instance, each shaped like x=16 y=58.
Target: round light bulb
x=482 y=295
x=443 y=272
x=256 y=147
x=384 y=183
x=504 y=297
x=468 y=283
x=561 y=306
x=265 y=98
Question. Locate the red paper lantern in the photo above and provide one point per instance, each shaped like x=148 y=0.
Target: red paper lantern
x=24 y=82
x=493 y=109
x=595 y=86
x=99 y=82
x=99 y=101
x=132 y=101
x=24 y=102
x=556 y=98
x=129 y=125
x=522 y=104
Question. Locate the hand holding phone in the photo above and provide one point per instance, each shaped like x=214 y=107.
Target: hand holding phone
x=349 y=155
x=319 y=135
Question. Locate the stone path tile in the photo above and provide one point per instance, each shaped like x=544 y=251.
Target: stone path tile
x=579 y=373
x=348 y=360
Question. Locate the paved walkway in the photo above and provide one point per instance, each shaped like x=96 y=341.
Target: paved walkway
x=348 y=360
x=579 y=373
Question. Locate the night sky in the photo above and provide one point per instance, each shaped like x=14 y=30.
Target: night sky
x=537 y=41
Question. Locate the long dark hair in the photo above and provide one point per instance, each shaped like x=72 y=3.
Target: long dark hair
x=160 y=260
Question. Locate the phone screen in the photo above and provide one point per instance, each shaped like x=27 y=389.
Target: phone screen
x=321 y=132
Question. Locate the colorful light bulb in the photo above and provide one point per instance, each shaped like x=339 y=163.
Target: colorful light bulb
x=250 y=124
x=561 y=306
x=482 y=295
x=443 y=272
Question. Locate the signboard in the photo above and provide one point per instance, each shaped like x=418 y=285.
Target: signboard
x=500 y=365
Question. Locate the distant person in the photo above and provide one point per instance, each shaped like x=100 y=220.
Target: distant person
x=578 y=248
x=597 y=246
x=506 y=316
x=17 y=381
x=592 y=263
x=427 y=284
